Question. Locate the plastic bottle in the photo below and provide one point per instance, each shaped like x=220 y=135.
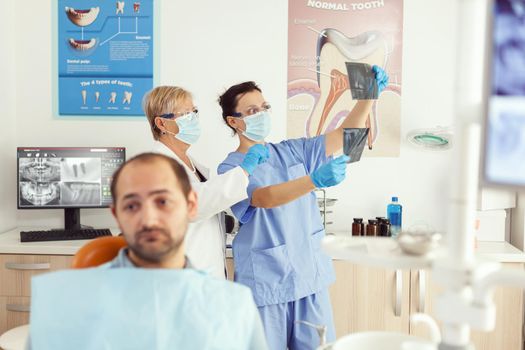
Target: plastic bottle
x=394 y=213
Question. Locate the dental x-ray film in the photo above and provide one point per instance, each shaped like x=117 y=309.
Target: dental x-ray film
x=362 y=81
x=354 y=140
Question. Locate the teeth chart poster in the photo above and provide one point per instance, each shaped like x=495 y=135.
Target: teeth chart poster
x=105 y=56
x=323 y=38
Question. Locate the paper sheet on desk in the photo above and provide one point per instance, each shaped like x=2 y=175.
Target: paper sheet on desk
x=139 y=309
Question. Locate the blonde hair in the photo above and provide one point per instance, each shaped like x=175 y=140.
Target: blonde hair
x=162 y=100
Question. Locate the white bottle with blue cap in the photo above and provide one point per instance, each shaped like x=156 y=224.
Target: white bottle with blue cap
x=394 y=213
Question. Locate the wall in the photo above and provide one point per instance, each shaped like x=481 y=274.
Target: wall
x=7 y=116
x=420 y=178
x=206 y=46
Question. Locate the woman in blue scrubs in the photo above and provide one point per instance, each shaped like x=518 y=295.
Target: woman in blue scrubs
x=277 y=251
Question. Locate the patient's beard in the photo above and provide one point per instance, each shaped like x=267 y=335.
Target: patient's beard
x=164 y=253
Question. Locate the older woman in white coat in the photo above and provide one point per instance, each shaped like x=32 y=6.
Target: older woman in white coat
x=174 y=123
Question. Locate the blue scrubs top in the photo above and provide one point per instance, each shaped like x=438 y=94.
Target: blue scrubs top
x=277 y=251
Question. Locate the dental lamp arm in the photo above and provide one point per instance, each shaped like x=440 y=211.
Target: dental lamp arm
x=484 y=288
x=355 y=119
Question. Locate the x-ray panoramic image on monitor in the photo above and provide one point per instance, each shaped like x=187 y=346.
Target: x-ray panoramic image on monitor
x=66 y=177
x=505 y=120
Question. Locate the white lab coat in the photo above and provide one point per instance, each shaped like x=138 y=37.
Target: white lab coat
x=205 y=239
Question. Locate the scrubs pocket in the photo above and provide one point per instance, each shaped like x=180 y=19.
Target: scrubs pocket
x=273 y=273
x=324 y=262
x=316 y=239
x=296 y=171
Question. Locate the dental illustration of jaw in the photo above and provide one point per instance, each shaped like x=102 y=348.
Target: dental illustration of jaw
x=127 y=97
x=120 y=7
x=112 y=97
x=38 y=193
x=332 y=97
x=82 y=45
x=82 y=18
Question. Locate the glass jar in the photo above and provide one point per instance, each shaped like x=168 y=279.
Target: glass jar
x=384 y=228
x=372 y=228
x=358 y=228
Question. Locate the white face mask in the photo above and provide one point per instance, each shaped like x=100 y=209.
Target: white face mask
x=258 y=126
x=189 y=128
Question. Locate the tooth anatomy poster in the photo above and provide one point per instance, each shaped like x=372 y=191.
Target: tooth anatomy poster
x=323 y=37
x=105 y=56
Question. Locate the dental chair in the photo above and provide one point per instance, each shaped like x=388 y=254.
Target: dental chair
x=98 y=252
x=94 y=253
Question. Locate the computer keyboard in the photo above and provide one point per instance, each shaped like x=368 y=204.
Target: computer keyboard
x=62 y=235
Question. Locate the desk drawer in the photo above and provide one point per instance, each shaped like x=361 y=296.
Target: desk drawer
x=16 y=271
x=14 y=312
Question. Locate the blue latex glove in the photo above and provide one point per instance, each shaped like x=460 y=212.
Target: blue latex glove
x=331 y=173
x=381 y=78
x=257 y=154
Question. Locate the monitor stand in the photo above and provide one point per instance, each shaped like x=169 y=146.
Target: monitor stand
x=72 y=219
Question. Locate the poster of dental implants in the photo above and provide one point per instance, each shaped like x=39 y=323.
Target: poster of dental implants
x=331 y=49
x=105 y=56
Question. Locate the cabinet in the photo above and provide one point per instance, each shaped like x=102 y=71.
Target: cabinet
x=229 y=268
x=365 y=298
x=509 y=313
x=15 y=284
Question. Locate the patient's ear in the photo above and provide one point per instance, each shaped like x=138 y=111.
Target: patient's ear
x=192 y=205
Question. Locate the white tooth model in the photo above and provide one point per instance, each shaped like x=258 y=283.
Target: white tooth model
x=127 y=97
x=334 y=49
x=316 y=108
x=97 y=96
x=82 y=45
x=84 y=96
x=120 y=7
x=112 y=97
x=82 y=18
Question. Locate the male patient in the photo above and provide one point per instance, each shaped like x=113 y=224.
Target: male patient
x=150 y=298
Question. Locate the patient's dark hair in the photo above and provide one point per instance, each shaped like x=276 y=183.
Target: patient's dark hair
x=229 y=99
x=178 y=170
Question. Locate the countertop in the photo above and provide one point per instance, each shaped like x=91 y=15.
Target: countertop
x=491 y=250
x=10 y=244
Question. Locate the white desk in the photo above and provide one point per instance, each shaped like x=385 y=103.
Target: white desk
x=10 y=244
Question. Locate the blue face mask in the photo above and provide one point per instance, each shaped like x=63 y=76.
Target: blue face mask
x=189 y=128
x=258 y=126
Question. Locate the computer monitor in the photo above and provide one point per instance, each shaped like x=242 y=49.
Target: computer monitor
x=67 y=178
x=503 y=162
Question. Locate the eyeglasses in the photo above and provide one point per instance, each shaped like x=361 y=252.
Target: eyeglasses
x=253 y=110
x=179 y=114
